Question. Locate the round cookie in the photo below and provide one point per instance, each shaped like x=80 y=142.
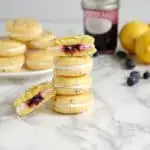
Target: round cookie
x=9 y=48
x=11 y=64
x=42 y=42
x=72 y=86
x=24 y=29
x=73 y=104
x=72 y=66
x=38 y=60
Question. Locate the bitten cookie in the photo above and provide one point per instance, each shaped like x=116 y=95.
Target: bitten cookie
x=24 y=29
x=81 y=45
x=38 y=60
x=73 y=66
x=33 y=98
x=42 y=42
x=11 y=64
x=72 y=86
x=73 y=104
x=9 y=48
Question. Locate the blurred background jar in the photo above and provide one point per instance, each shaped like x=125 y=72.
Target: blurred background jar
x=100 y=19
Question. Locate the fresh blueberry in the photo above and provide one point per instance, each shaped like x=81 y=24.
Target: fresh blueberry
x=146 y=75
x=132 y=81
x=135 y=74
x=121 y=54
x=129 y=63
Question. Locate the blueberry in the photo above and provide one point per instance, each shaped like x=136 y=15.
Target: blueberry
x=146 y=75
x=132 y=81
x=129 y=63
x=135 y=74
x=121 y=54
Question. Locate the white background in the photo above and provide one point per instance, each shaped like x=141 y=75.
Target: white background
x=63 y=16
x=67 y=10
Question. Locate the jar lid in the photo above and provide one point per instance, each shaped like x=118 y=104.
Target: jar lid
x=100 y=4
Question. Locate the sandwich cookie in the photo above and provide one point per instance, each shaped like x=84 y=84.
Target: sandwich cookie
x=38 y=60
x=11 y=64
x=24 y=29
x=42 y=42
x=33 y=98
x=9 y=48
x=72 y=86
x=73 y=104
x=73 y=66
x=81 y=45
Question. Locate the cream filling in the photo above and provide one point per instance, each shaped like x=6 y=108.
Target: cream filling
x=60 y=48
x=72 y=87
x=17 y=49
x=74 y=105
x=24 y=105
x=75 y=67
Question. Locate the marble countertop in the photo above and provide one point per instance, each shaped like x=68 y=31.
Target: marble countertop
x=120 y=119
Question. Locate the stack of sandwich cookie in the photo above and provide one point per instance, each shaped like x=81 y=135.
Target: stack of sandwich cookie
x=31 y=33
x=72 y=67
x=11 y=55
x=34 y=98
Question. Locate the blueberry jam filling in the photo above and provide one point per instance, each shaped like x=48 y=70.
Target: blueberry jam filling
x=35 y=100
x=71 y=48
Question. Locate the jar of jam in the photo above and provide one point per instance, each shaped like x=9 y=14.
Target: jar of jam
x=101 y=22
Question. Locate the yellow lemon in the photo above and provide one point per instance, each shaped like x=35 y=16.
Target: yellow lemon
x=130 y=32
x=142 y=48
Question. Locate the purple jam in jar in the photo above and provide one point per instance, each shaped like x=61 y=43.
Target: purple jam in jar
x=101 y=22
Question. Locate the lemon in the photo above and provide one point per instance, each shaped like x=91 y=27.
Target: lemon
x=142 y=48
x=130 y=32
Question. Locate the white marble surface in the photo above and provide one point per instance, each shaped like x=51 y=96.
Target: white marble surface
x=120 y=119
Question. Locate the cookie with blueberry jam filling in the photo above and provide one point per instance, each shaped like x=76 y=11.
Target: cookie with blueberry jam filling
x=33 y=98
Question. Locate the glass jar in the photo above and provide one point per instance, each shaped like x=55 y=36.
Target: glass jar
x=101 y=21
